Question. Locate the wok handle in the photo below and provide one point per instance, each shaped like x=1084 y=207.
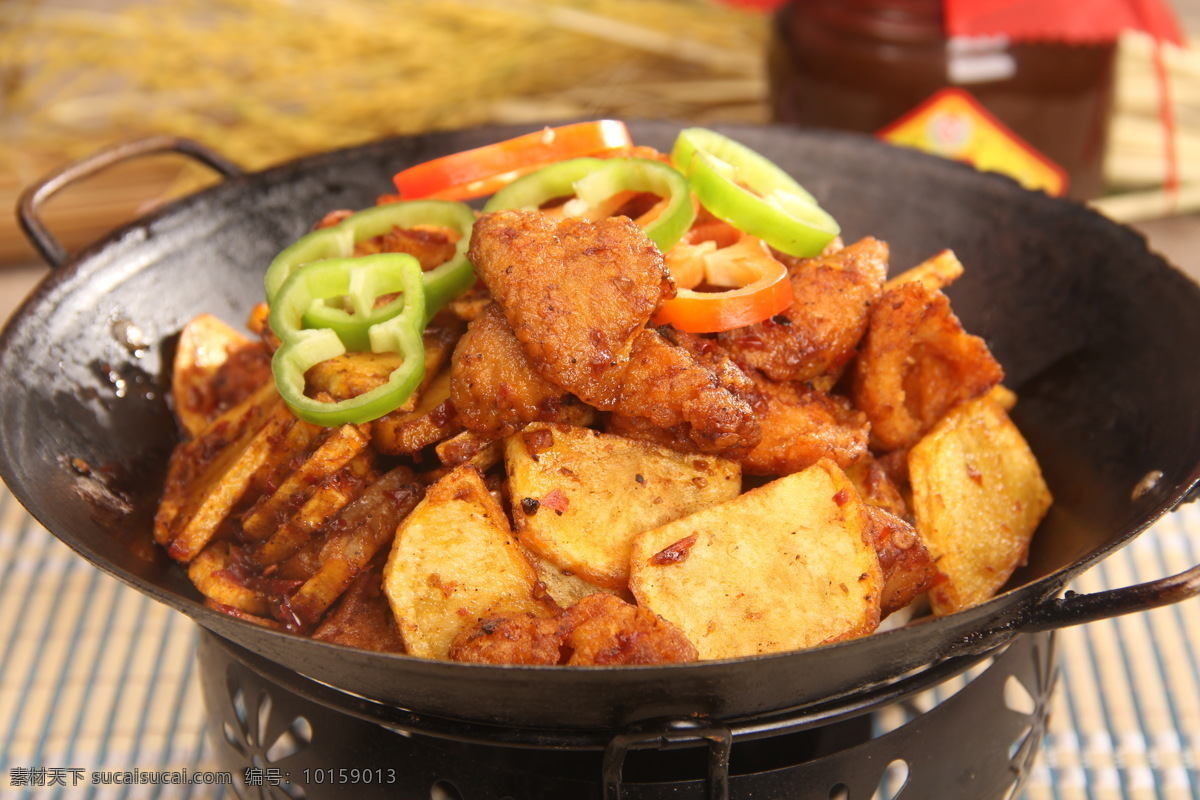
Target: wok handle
x=1076 y=609
x=31 y=200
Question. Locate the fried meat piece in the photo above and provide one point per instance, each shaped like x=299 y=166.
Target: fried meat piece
x=523 y=639
x=494 y=388
x=916 y=363
x=601 y=350
x=601 y=629
x=606 y=630
x=817 y=335
x=800 y=426
x=669 y=396
x=575 y=293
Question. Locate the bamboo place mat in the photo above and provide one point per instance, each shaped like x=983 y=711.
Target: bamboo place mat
x=96 y=677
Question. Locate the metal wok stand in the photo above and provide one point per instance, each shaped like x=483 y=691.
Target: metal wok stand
x=952 y=729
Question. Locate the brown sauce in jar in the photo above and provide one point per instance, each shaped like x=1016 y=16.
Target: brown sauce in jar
x=867 y=65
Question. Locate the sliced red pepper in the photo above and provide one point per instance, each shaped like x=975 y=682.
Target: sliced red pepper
x=727 y=257
x=484 y=170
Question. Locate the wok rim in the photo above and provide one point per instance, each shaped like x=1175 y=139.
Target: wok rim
x=1004 y=612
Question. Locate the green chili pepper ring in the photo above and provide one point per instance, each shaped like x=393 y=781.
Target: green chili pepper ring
x=752 y=193
x=594 y=180
x=442 y=284
x=302 y=348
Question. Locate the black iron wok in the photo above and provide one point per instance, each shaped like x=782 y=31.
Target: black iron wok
x=1098 y=336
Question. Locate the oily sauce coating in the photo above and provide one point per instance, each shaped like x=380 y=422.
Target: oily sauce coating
x=819 y=333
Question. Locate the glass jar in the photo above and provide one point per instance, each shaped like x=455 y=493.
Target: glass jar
x=887 y=67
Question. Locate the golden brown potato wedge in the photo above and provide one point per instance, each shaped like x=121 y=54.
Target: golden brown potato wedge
x=579 y=496
x=453 y=560
x=783 y=566
x=978 y=496
x=564 y=588
x=361 y=617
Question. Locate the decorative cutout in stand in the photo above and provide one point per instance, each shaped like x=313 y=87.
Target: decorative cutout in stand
x=974 y=733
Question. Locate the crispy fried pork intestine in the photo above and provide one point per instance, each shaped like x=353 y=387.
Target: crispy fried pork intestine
x=276 y=517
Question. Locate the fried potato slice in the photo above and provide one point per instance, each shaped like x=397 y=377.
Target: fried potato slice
x=202 y=488
x=212 y=574
x=978 y=496
x=454 y=559
x=564 y=588
x=355 y=373
x=1004 y=397
x=580 y=496
x=361 y=618
x=333 y=493
x=784 y=566
x=335 y=448
x=936 y=272
x=364 y=528
x=403 y=432
x=215 y=368
x=191 y=459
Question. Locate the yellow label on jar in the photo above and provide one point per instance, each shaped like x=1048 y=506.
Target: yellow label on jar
x=952 y=123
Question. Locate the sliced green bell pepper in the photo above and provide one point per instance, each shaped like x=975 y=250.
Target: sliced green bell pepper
x=301 y=348
x=750 y=192
x=594 y=180
x=442 y=284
